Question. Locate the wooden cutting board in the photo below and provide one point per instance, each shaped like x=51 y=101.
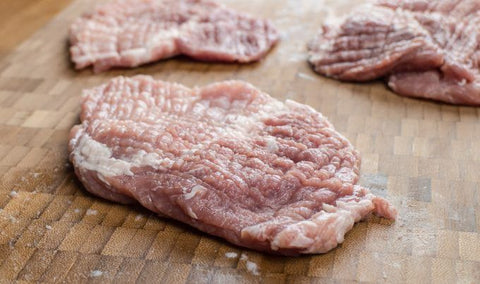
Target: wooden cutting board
x=421 y=155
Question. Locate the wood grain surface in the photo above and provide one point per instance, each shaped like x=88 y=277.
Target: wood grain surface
x=20 y=18
x=421 y=155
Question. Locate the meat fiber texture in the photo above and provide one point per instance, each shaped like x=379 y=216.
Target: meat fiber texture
x=128 y=33
x=226 y=159
x=426 y=49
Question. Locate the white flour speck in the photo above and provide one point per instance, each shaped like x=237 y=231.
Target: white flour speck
x=243 y=257
x=13 y=193
x=231 y=254
x=138 y=218
x=305 y=76
x=76 y=210
x=96 y=273
x=297 y=57
x=252 y=267
x=48 y=227
x=92 y=212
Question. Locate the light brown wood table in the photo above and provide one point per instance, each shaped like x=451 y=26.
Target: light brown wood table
x=423 y=156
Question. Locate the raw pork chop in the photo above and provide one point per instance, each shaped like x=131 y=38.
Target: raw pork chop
x=427 y=49
x=128 y=33
x=227 y=159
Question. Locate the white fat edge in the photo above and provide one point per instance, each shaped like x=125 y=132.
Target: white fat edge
x=273 y=106
x=354 y=208
x=298 y=230
x=196 y=189
x=346 y=175
x=162 y=38
x=242 y=125
x=344 y=216
x=142 y=159
x=343 y=223
x=102 y=178
x=171 y=33
x=191 y=213
x=84 y=58
x=137 y=54
x=223 y=102
x=216 y=113
x=392 y=84
x=239 y=104
x=463 y=82
x=200 y=107
x=107 y=55
x=73 y=142
x=237 y=125
x=347 y=213
x=301 y=240
x=95 y=156
x=329 y=208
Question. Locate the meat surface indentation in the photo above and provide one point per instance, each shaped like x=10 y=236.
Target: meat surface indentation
x=226 y=159
x=426 y=49
x=128 y=33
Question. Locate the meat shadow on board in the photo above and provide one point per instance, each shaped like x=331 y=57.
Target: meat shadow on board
x=389 y=94
x=183 y=64
x=357 y=231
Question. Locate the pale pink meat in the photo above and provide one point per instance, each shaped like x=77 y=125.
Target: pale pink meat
x=226 y=159
x=128 y=33
x=426 y=49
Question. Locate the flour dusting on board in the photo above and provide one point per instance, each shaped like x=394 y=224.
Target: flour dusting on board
x=231 y=254
x=251 y=266
x=96 y=273
x=305 y=76
x=12 y=219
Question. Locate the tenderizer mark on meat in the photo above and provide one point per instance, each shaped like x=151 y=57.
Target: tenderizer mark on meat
x=128 y=33
x=226 y=159
x=426 y=49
